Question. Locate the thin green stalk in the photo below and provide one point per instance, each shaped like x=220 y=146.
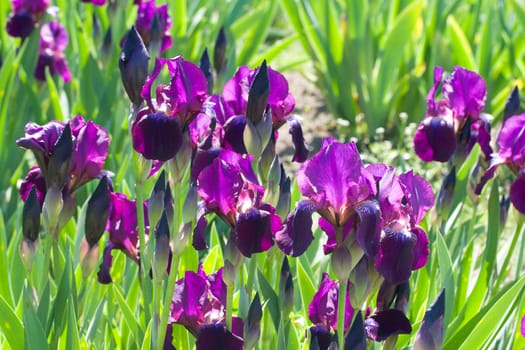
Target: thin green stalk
x=155 y=329
x=390 y=343
x=47 y=262
x=519 y=271
x=251 y=274
x=501 y=274
x=167 y=301
x=341 y=303
x=229 y=305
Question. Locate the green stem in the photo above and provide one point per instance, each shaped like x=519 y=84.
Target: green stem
x=341 y=303
x=501 y=274
x=390 y=343
x=251 y=274
x=156 y=337
x=229 y=305
x=167 y=301
x=47 y=262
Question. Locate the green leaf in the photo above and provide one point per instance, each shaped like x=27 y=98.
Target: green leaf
x=491 y=248
x=272 y=299
x=55 y=99
x=129 y=317
x=447 y=276
x=11 y=325
x=73 y=339
x=34 y=335
x=306 y=287
x=460 y=45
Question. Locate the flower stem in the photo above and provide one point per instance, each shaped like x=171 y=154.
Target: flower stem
x=341 y=303
x=509 y=255
x=47 y=261
x=251 y=275
x=229 y=306
x=155 y=329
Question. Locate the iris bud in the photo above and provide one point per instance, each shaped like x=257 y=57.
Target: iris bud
x=446 y=194
x=258 y=95
x=180 y=162
x=156 y=200
x=360 y=282
x=512 y=105
x=51 y=209
x=286 y=287
x=162 y=249
x=60 y=160
x=283 y=205
x=191 y=206
x=219 y=52
x=252 y=326
x=97 y=212
x=205 y=66
x=430 y=334
x=133 y=65
x=155 y=35
x=31 y=216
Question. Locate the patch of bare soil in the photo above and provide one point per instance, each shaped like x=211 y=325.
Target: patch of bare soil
x=316 y=120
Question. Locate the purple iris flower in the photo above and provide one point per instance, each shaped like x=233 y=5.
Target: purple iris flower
x=229 y=188
x=154 y=24
x=199 y=304
x=34 y=177
x=123 y=233
x=323 y=308
x=386 y=323
x=25 y=15
x=404 y=201
x=456 y=120
x=511 y=151
x=341 y=190
x=90 y=148
x=53 y=42
x=158 y=126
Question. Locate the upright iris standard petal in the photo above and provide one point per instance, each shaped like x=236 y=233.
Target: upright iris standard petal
x=396 y=255
x=301 y=149
x=323 y=307
x=157 y=136
x=386 y=323
x=466 y=92
x=511 y=141
x=189 y=301
x=368 y=228
x=296 y=235
x=431 y=96
x=435 y=139
x=146 y=14
x=53 y=42
x=419 y=195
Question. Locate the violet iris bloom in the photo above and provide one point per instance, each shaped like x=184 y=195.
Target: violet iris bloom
x=158 y=126
x=53 y=42
x=341 y=190
x=404 y=201
x=199 y=304
x=386 y=323
x=455 y=122
x=154 y=24
x=511 y=151
x=323 y=308
x=229 y=188
x=25 y=15
x=90 y=149
x=123 y=233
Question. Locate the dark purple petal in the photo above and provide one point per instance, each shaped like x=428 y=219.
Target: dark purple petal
x=203 y=158
x=328 y=228
x=296 y=235
x=104 y=275
x=253 y=232
x=168 y=340
x=146 y=12
x=89 y=153
x=421 y=250
x=20 y=25
x=34 y=178
x=215 y=106
x=35 y=7
x=280 y=99
x=385 y=323
x=301 y=149
x=480 y=133
x=218 y=287
x=150 y=79
x=157 y=136
x=217 y=337
x=395 y=259
x=235 y=91
x=199 y=232
x=390 y=193
x=321 y=336
x=517 y=193
x=419 y=194
x=466 y=92
x=435 y=139
x=53 y=38
x=233 y=134
x=189 y=301
x=368 y=227
x=438 y=76
x=356 y=338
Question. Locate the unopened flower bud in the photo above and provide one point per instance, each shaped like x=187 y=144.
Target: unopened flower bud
x=133 y=65
x=31 y=216
x=51 y=209
x=162 y=249
x=512 y=105
x=258 y=95
x=219 y=52
x=360 y=282
x=252 y=140
x=267 y=158
x=283 y=205
x=286 y=287
x=252 y=326
x=341 y=262
x=97 y=212
x=356 y=338
x=88 y=257
x=181 y=239
x=107 y=43
x=430 y=334
x=169 y=206
x=191 y=206
x=142 y=168
x=27 y=253
x=60 y=160
x=156 y=200
x=504 y=206
x=155 y=35
x=205 y=66
x=274 y=179
x=69 y=206
x=446 y=194
x=182 y=159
